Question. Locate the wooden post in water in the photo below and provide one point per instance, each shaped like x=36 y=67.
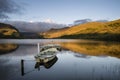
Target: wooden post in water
x=38 y=48
x=22 y=67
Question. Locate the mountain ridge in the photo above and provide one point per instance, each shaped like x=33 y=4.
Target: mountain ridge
x=90 y=30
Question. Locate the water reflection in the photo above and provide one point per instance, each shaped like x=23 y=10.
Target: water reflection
x=81 y=56
x=77 y=61
x=94 y=49
x=7 y=48
x=38 y=64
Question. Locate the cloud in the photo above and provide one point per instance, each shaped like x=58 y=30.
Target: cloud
x=82 y=21
x=8 y=7
x=48 y=21
x=34 y=26
x=102 y=20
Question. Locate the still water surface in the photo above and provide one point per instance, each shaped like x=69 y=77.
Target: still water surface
x=78 y=60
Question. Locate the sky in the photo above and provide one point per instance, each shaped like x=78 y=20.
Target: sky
x=66 y=11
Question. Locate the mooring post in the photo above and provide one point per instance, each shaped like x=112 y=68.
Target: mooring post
x=38 y=48
x=22 y=67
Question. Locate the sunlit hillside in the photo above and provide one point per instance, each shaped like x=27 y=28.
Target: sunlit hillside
x=90 y=30
x=8 y=31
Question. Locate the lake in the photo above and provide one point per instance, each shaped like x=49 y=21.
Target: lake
x=78 y=60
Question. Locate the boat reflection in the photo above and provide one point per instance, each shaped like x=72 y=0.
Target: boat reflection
x=47 y=65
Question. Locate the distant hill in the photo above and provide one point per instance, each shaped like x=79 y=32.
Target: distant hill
x=52 y=30
x=8 y=31
x=29 y=35
x=91 y=30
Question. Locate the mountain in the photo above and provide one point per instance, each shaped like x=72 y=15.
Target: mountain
x=56 y=29
x=8 y=31
x=91 y=30
x=29 y=35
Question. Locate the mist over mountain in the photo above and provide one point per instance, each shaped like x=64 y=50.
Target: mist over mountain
x=23 y=26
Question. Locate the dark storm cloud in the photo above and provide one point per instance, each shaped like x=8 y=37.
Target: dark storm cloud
x=8 y=7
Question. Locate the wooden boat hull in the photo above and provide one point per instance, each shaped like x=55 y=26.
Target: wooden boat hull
x=44 y=60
